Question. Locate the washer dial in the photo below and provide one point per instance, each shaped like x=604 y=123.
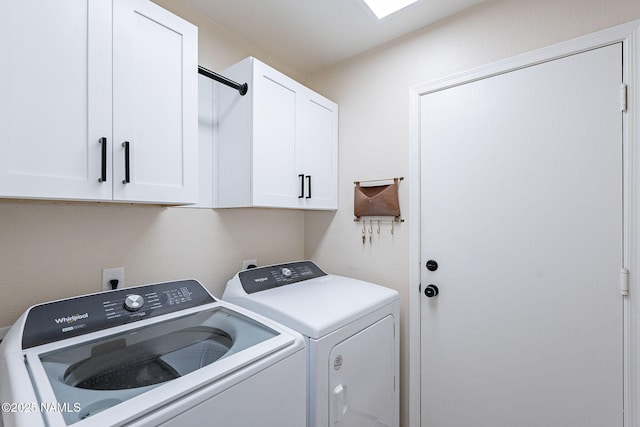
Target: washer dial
x=133 y=302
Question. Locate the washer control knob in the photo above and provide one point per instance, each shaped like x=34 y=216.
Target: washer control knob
x=286 y=272
x=133 y=302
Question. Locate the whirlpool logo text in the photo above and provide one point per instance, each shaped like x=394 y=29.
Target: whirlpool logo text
x=71 y=319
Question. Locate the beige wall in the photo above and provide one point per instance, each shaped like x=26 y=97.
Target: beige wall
x=56 y=250
x=373 y=93
x=219 y=48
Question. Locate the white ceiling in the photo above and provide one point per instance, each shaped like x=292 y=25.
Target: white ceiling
x=312 y=34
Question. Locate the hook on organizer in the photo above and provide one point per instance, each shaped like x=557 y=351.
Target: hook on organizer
x=370 y=230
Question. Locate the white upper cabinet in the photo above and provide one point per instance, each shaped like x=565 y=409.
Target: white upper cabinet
x=49 y=138
x=94 y=75
x=277 y=146
x=155 y=104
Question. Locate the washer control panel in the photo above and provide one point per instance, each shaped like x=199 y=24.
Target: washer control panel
x=67 y=318
x=274 y=276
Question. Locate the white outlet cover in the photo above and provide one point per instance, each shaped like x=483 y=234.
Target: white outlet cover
x=115 y=273
x=247 y=262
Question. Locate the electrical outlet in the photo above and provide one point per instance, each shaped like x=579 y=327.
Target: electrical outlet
x=249 y=263
x=112 y=278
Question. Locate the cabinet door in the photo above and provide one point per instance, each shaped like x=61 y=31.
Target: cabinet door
x=55 y=81
x=318 y=145
x=154 y=104
x=275 y=182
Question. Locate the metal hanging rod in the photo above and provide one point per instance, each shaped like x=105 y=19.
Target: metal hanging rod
x=379 y=180
x=241 y=88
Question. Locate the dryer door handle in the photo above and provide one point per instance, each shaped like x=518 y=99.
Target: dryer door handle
x=340 y=405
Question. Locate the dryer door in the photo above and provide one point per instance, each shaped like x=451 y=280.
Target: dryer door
x=361 y=378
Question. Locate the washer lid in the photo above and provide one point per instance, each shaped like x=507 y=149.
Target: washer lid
x=314 y=307
x=151 y=365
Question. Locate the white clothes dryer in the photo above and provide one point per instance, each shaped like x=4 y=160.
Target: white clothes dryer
x=164 y=354
x=351 y=330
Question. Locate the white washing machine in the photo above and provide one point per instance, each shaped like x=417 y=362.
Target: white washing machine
x=164 y=354
x=351 y=330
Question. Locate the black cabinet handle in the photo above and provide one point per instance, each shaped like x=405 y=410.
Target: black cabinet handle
x=309 y=186
x=301 y=177
x=127 y=164
x=103 y=164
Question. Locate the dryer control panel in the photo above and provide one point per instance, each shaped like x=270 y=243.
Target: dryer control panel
x=273 y=276
x=67 y=318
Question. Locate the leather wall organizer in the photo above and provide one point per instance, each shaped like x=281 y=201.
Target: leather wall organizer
x=376 y=200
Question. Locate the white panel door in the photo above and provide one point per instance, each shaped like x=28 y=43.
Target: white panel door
x=55 y=102
x=521 y=207
x=361 y=378
x=155 y=101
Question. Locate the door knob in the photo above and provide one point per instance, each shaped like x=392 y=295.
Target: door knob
x=431 y=291
x=432 y=265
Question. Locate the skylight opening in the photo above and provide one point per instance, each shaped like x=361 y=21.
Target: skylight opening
x=384 y=8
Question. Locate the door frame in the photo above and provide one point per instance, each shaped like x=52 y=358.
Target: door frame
x=629 y=35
